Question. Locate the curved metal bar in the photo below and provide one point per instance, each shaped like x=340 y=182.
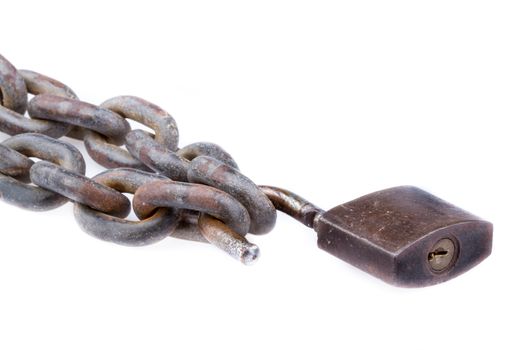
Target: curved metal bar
x=13 y=92
x=212 y=172
x=181 y=195
x=156 y=156
x=43 y=147
x=209 y=149
x=226 y=239
x=13 y=163
x=83 y=114
x=109 y=155
x=142 y=111
x=12 y=120
x=121 y=231
x=38 y=84
x=80 y=189
x=149 y=114
x=292 y=204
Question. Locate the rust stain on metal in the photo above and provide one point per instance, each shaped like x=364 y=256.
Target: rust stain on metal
x=37 y=84
x=106 y=227
x=83 y=114
x=43 y=147
x=292 y=204
x=212 y=172
x=180 y=195
x=111 y=156
x=13 y=163
x=156 y=156
x=13 y=92
x=80 y=189
x=226 y=239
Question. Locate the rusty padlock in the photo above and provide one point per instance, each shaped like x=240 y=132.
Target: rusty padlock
x=403 y=235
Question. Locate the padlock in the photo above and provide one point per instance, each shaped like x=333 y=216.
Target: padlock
x=405 y=236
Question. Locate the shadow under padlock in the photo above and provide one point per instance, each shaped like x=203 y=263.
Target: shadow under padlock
x=403 y=235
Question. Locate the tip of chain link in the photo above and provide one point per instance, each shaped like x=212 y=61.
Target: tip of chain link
x=250 y=254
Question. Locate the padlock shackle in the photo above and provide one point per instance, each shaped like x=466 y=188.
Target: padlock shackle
x=293 y=205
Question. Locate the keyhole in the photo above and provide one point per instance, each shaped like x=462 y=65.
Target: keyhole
x=442 y=255
x=437 y=254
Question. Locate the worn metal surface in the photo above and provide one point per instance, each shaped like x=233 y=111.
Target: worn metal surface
x=181 y=195
x=212 y=172
x=188 y=227
x=149 y=230
x=222 y=221
x=80 y=189
x=142 y=111
x=226 y=239
x=156 y=156
x=83 y=114
x=43 y=147
x=13 y=93
x=209 y=149
x=109 y=155
x=13 y=163
x=174 y=165
x=393 y=233
x=292 y=204
x=149 y=114
x=13 y=122
x=38 y=84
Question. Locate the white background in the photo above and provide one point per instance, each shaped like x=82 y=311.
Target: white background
x=330 y=99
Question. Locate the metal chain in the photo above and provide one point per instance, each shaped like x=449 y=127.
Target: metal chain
x=195 y=192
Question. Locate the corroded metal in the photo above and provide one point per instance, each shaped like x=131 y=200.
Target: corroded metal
x=80 y=189
x=149 y=114
x=394 y=234
x=226 y=239
x=212 y=172
x=151 y=229
x=12 y=120
x=38 y=84
x=13 y=163
x=166 y=162
x=13 y=123
x=209 y=149
x=156 y=156
x=181 y=195
x=104 y=152
x=43 y=147
x=223 y=221
x=78 y=113
x=128 y=181
x=109 y=155
x=13 y=92
x=188 y=227
x=292 y=204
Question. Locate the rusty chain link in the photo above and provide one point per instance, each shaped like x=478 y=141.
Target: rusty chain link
x=195 y=192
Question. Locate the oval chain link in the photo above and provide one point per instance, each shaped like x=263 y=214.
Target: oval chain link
x=104 y=152
x=44 y=147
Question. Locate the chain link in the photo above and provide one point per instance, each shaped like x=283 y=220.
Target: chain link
x=195 y=192
x=150 y=229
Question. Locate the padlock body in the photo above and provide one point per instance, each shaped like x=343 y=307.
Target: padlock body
x=405 y=236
